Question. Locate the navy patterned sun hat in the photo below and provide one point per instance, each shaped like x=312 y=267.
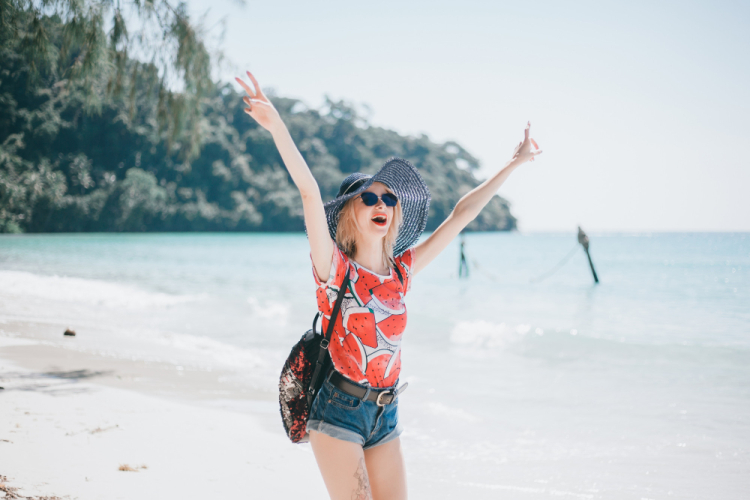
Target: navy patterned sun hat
x=404 y=180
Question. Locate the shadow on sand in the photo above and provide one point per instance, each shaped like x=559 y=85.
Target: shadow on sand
x=54 y=383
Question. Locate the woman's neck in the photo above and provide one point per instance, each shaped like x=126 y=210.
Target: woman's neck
x=371 y=257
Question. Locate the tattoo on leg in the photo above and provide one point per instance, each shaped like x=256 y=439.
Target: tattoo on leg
x=362 y=491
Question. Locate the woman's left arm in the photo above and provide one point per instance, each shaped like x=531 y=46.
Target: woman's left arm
x=469 y=206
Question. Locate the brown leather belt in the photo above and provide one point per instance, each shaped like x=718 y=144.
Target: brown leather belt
x=381 y=397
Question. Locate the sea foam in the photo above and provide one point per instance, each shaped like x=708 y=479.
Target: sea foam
x=21 y=285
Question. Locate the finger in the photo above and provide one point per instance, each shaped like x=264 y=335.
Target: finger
x=536 y=146
x=255 y=83
x=245 y=86
x=254 y=103
x=248 y=111
x=536 y=152
x=526 y=132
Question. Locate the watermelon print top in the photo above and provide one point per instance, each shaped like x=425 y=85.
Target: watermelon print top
x=366 y=341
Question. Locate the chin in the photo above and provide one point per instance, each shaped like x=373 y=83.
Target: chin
x=379 y=234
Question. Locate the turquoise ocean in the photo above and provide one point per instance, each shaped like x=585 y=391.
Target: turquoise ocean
x=523 y=383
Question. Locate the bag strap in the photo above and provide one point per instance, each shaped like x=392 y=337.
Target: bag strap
x=398 y=273
x=327 y=339
x=400 y=278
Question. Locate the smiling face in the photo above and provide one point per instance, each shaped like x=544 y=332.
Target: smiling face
x=360 y=226
x=373 y=221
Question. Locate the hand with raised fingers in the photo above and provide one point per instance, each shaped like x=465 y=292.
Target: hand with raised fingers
x=523 y=151
x=258 y=105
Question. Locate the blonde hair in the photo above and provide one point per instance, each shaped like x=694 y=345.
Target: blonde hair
x=348 y=229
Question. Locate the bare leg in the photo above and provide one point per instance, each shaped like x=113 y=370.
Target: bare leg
x=342 y=465
x=385 y=464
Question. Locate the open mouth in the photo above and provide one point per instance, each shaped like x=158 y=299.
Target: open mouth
x=380 y=220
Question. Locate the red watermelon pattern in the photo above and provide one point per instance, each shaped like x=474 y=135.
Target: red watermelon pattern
x=366 y=342
x=361 y=322
x=393 y=327
x=366 y=282
x=388 y=296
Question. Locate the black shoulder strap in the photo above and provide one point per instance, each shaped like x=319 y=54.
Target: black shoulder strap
x=336 y=308
x=400 y=278
x=327 y=338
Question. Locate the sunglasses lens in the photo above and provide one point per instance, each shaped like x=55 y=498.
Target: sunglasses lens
x=369 y=198
x=389 y=199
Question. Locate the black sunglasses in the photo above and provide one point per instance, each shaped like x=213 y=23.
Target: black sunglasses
x=371 y=199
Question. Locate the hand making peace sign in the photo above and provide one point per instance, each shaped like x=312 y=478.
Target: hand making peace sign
x=258 y=105
x=523 y=152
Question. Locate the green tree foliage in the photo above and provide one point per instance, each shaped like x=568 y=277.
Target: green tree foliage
x=87 y=43
x=116 y=166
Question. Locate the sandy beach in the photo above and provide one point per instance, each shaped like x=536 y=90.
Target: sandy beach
x=69 y=422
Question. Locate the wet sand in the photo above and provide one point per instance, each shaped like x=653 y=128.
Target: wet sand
x=70 y=422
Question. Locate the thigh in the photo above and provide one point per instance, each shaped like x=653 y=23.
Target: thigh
x=385 y=466
x=343 y=467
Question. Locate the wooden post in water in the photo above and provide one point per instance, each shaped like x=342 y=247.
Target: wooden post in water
x=584 y=241
x=463 y=265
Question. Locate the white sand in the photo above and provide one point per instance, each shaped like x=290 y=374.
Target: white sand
x=67 y=435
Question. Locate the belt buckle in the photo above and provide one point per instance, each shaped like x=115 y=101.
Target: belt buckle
x=377 y=401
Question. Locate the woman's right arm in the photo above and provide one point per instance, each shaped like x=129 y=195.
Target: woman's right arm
x=262 y=111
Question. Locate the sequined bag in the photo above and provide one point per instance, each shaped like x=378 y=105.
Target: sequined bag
x=302 y=375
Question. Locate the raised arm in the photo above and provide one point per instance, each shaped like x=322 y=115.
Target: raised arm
x=263 y=112
x=469 y=206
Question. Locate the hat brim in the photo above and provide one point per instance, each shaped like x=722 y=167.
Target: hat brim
x=404 y=180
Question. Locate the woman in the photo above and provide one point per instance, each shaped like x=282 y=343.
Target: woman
x=369 y=228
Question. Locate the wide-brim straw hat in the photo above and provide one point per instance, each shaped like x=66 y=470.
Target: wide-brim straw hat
x=404 y=180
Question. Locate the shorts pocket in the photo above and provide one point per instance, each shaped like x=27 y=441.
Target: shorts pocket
x=343 y=400
x=320 y=398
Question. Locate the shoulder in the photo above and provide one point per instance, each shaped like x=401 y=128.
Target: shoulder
x=406 y=259
x=339 y=254
x=340 y=261
x=405 y=264
x=339 y=264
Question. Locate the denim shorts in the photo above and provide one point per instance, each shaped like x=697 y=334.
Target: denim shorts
x=339 y=415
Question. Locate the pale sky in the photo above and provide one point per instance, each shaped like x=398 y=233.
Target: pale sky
x=642 y=107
